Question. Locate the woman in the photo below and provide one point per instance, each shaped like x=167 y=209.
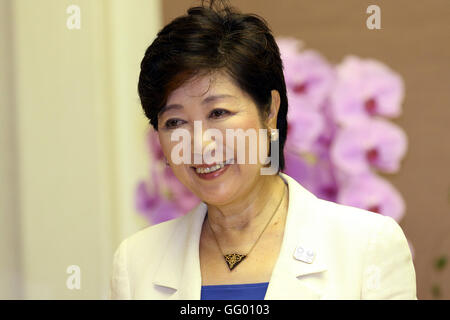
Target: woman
x=254 y=235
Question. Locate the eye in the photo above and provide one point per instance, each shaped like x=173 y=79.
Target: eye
x=218 y=113
x=172 y=123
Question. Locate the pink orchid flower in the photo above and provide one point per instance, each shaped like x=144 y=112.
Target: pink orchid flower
x=370 y=192
x=308 y=75
x=370 y=144
x=365 y=88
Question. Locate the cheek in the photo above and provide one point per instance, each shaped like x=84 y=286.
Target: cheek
x=167 y=146
x=181 y=171
x=244 y=122
x=252 y=148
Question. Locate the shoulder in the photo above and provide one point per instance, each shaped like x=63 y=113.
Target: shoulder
x=138 y=253
x=338 y=224
x=335 y=219
x=386 y=260
x=154 y=236
x=137 y=256
x=351 y=221
x=356 y=228
x=356 y=224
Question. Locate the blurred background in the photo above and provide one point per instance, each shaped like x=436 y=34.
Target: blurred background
x=74 y=141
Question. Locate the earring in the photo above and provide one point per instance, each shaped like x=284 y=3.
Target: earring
x=273 y=134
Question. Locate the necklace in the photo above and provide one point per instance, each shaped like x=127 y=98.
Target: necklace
x=233 y=259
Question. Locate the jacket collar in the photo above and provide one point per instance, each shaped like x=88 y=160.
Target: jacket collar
x=179 y=270
x=294 y=278
x=180 y=266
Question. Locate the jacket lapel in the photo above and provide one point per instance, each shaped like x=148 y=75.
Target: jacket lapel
x=179 y=272
x=295 y=277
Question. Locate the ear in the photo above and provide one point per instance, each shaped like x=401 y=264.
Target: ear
x=271 y=121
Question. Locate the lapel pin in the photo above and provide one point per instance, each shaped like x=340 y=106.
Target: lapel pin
x=304 y=254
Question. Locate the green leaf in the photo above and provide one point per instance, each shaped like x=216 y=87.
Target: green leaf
x=440 y=263
x=436 y=290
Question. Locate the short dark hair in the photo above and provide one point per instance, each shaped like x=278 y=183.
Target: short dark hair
x=211 y=38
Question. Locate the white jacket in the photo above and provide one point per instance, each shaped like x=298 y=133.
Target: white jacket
x=357 y=254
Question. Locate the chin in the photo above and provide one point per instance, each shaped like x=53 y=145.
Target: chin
x=218 y=185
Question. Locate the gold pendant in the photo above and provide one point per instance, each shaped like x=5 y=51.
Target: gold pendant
x=233 y=259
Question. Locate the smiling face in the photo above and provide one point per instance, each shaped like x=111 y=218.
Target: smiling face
x=219 y=104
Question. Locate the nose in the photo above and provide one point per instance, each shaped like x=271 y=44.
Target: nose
x=204 y=146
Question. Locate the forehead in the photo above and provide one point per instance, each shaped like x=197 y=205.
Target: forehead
x=202 y=86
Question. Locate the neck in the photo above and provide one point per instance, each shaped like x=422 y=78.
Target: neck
x=250 y=211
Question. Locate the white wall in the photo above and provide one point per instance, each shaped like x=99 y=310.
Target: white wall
x=73 y=141
x=10 y=266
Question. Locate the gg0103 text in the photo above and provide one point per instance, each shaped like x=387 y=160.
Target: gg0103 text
x=246 y=309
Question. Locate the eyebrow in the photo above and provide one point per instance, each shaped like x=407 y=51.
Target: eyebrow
x=205 y=101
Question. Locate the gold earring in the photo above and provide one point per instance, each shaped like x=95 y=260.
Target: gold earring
x=273 y=134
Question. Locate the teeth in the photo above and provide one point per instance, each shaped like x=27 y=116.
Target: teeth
x=229 y=161
x=214 y=168
x=210 y=169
